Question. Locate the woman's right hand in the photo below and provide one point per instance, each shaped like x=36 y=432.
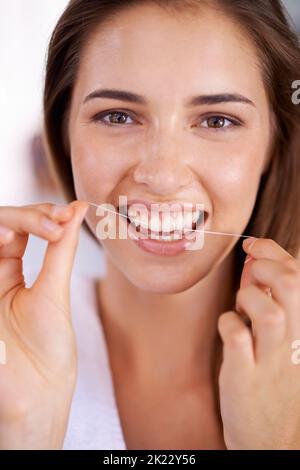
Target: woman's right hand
x=38 y=379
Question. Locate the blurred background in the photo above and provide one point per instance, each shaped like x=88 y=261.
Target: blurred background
x=25 y=29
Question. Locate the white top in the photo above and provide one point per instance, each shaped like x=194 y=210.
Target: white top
x=94 y=422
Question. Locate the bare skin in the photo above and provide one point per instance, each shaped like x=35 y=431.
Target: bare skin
x=37 y=381
x=169 y=370
x=161 y=316
x=162 y=344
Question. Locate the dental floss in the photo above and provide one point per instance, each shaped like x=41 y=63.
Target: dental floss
x=192 y=230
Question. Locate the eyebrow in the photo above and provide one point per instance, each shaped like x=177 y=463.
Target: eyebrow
x=130 y=97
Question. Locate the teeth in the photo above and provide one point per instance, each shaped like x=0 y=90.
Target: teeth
x=179 y=221
x=134 y=221
x=132 y=211
x=173 y=236
x=132 y=215
x=188 y=220
x=196 y=216
x=185 y=221
x=137 y=218
x=154 y=236
x=143 y=219
x=155 y=223
x=168 y=223
x=164 y=221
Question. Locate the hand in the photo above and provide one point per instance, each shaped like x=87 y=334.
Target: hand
x=259 y=378
x=38 y=379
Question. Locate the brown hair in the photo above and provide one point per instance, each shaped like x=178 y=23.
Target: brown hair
x=276 y=213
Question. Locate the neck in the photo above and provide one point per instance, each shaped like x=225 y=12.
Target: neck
x=163 y=337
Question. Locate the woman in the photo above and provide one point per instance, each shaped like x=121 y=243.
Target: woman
x=163 y=102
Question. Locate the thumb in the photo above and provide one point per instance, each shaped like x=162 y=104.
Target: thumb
x=246 y=280
x=56 y=271
x=246 y=276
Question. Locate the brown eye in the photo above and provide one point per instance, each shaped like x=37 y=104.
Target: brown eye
x=215 y=121
x=219 y=122
x=117 y=117
x=112 y=118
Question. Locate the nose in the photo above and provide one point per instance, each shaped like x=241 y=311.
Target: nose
x=164 y=168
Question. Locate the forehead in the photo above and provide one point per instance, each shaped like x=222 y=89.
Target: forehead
x=153 y=51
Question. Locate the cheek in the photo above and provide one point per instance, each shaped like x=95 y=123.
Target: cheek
x=97 y=169
x=97 y=173
x=232 y=185
x=236 y=181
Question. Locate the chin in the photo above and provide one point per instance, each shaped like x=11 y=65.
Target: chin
x=163 y=280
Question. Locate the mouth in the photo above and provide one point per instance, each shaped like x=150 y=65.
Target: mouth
x=161 y=225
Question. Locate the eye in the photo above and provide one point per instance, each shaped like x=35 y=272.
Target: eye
x=219 y=122
x=116 y=118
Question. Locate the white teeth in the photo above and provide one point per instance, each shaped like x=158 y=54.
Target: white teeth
x=196 y=216
x=173 y=236
x=143 y=219
x=164 y=221
x=188 y=220
x=165 y=237
x=168 y=223
x=132 y=211
x=179 y=221
x=135 y=221
x=154 y=236
x=155 y=223
x=137 y=217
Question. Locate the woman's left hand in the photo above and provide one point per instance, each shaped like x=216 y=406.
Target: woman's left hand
x=260 y=375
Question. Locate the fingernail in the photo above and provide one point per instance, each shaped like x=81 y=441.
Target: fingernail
x=5 y=232
x=49 y=225
x=61 y=209
x=248 y=258
x=248 y=242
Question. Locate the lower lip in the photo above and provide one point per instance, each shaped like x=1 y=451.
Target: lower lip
x=162 y=248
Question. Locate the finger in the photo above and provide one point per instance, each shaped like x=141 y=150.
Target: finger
x=237 y=339
x=6 y=235
x=18 y=222
x=30 y=219
x=248 y=278
x=56 y=212
x=284 y=281
x=11 y=268
x=24 y=220
x=267 y=317
x=265 y=248
x=258 y=248
x=57 y=266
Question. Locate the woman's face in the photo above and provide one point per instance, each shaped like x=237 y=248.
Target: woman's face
x=163 y=149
